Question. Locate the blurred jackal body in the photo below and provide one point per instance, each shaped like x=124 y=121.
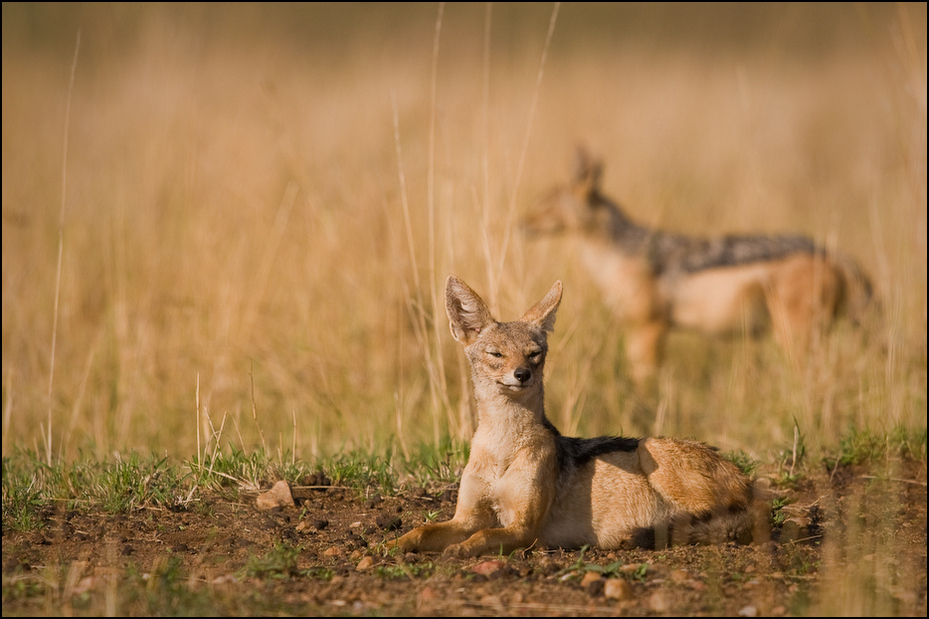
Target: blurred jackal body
x=654 y=280
x=525 y=484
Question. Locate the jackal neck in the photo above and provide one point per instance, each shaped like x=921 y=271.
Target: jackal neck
x=621 y=227
x=512 y=411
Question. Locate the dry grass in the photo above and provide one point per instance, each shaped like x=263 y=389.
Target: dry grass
x=268 y=201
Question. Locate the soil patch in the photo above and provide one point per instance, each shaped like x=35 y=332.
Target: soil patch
x=324 y=556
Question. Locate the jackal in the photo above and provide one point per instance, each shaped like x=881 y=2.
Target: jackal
x=525 y=484
x=654 y=280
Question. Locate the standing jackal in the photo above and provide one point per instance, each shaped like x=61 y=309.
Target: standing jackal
x=525 y=484
x=654 y=281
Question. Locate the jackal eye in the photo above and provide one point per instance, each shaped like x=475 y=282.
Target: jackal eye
x=494 y=353
x=535 y=355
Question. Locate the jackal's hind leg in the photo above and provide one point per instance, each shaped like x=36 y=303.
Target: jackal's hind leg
x=802 y=300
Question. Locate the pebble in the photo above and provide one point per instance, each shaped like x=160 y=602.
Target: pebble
x=679 y=576
x=659 y=602
x=618 y=589
x=486 y=568
x=589 y=577
x=278 y=496
x=366 y=563
x=428 y=594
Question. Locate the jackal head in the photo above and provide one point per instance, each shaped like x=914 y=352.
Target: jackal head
x=506 y=357
x=574 y=207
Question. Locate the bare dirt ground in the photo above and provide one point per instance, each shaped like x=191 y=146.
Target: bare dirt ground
x=323 y=557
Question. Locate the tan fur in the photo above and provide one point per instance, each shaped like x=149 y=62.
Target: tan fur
x=525 y=484
x=655 y=281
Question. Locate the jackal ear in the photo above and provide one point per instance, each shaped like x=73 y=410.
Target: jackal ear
x=587 y=171
x=467 y=313
x=542 y=314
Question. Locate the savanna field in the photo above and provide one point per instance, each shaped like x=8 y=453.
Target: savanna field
x=226 y=232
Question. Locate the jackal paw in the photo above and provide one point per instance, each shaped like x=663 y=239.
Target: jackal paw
x=459 y=551
x=404 y=543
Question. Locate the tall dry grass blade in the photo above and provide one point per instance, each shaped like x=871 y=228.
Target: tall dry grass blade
x=251 y=378
x=511 y=213
x=79 y=400
x=7 y=408
x=399 y=392
x=438 y=386
x=216 y=447
x=485 y=156
x=415 y=303
x=238 y=432
x=198 y=420
x=61 y=226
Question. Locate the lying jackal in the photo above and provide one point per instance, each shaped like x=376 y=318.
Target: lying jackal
x=525 y=484
x=654 y=280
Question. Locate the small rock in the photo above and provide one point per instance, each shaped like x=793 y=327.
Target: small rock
x=428 y=594
x=791 y=530
x=590 y=577
x=486 y=568
x=366 y=563
x=278 y=496
x=318 y=480
x=659 y=602
x=679 y=576
x=617 y=589
x=332 y=551
x=748 y=611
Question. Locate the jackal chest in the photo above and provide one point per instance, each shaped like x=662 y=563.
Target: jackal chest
x=511 y=487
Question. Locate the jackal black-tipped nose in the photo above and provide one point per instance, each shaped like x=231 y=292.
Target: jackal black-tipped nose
x=523 y=375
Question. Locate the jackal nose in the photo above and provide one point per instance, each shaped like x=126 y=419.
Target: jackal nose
x=523 y=375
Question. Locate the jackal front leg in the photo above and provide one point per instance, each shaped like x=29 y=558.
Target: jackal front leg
x=490 y=541
x=644 y=349
x=435 y=537
x=523 y=500
x=471 y=515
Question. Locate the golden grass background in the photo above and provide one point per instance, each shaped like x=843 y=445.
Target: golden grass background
x=261 y=203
